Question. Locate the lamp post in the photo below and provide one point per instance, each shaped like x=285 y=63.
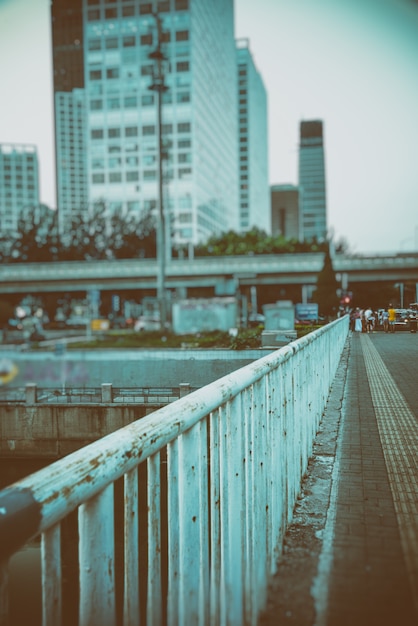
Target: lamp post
x=159 y=87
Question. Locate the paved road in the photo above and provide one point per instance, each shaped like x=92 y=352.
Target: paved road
x=351 y=554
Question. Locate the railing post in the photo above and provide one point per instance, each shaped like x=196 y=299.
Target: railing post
x=184 y=389
x=107 y=392
x=31 y=393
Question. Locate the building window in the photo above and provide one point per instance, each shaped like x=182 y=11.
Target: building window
x=128 y=11
x=148 y=130
x=183 y=127
x=112 y=72
x=110 y=14
x=113 y=103
x=95 y=44
x=93 y=14
x=96 y=105
x=95 y=74
x=148 y=159
x=128 y=41
x=115 y=177
x=98 y=178
x=184 y=143
x=132 y=161
x=182 y=66
x=183 y=97
x=146 y=70
x=184 y=172
x=111 y=43
x=150 y=175
x=182 y=5
x=184 y=158
x=147 y=100
x=146 y=40
x=163 y=6
x=113 y=132
x=132 y=176
x=131 y=131
x=97 y=133
x=182 y=35
x=145 y=9
x=130 y=102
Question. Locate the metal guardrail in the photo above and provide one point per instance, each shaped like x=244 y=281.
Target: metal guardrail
x=223 y=469
x=31 y=394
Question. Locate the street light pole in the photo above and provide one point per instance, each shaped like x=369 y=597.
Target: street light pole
x=159 y=87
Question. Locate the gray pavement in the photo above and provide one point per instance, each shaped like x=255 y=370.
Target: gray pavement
x=350 y=556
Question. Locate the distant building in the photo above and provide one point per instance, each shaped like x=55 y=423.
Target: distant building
x=71 y=156
x=101 y=53
x=285 y=211
x=19 y=184
x=254 y=201
x=312 y=199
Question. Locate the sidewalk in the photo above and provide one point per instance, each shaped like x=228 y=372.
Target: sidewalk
x=350 y=556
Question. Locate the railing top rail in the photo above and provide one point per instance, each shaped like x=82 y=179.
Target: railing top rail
x=35 y=503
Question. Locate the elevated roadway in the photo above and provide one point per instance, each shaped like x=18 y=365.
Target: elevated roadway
x=296 y=269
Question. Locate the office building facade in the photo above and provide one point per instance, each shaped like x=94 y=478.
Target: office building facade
x=19 y=184
x=312 y=183
x=254 y=201
x=117 y=145
x=285 y=211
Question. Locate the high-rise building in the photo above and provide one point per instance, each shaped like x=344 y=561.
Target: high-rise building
x=285 y=211
x=19 y=184
x=254 y=201
x=117 y=142
x=313 y=211
x=71 y=155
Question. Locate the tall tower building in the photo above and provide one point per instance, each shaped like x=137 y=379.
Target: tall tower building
x=69 y=105
x=116 y=142
x=254 y=201
x=285 y=211
x=313 y=212
x=19 y=184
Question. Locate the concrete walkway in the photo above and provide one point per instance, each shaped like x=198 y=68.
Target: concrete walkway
x=350 y=556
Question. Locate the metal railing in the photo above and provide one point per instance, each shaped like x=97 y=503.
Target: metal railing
x=201 y=536
x=33 y=394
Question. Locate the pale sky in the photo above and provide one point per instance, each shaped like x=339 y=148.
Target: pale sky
x=351 y=63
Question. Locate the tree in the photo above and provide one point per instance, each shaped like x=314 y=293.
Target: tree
x=325 y=294
x=254 y=241
x=36 y=239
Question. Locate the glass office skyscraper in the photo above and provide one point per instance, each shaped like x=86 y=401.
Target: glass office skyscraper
x=19 y=184
x=254 y=200
x=117 y=143
x=312 y=189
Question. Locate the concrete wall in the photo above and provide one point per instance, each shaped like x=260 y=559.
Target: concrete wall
x=125 y=368
x=53 y=431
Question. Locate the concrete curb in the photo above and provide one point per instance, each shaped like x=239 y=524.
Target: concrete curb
x=295 y=590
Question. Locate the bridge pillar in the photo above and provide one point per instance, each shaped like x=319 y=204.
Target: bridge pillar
x=30 y=393
x=107 y=392
x=184 y=389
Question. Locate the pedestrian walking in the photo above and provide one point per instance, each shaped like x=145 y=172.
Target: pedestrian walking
x=385 y=320
x=392 y=318
x=358 y=327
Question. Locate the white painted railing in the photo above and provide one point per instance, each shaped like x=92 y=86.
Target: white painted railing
x=224 y=467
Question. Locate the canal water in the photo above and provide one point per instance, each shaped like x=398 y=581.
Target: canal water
x=25 y=565
x=25 y=591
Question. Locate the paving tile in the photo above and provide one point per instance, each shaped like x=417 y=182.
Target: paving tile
x=368 y=582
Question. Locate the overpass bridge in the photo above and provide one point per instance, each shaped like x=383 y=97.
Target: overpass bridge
x=209 y=486
x=222 y=274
